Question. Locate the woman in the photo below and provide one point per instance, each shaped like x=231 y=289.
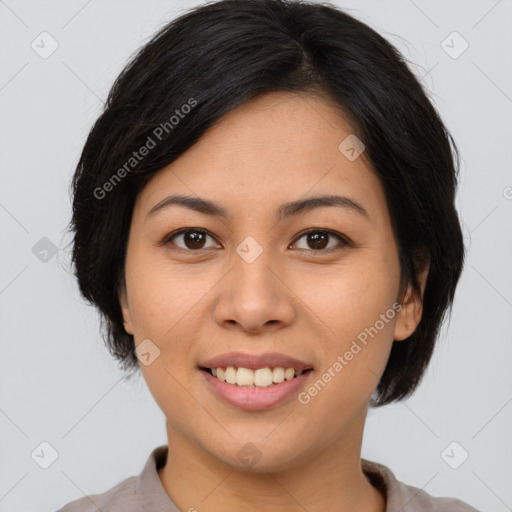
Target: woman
x=264 y=215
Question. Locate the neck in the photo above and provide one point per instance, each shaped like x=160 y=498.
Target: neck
x=329 y=480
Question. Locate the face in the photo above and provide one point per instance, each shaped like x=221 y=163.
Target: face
x=304 y=282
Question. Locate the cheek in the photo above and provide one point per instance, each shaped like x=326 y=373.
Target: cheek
x=350 y=298
x=161 y=293
x=357 y=317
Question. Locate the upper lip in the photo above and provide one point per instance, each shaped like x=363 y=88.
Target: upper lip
x=255 y=361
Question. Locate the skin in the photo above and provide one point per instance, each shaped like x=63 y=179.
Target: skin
x=311 y=304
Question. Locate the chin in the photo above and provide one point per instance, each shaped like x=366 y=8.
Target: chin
x=258 y=457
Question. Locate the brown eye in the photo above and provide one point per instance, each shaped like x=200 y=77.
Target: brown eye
x=318 y=240
x=192 y=239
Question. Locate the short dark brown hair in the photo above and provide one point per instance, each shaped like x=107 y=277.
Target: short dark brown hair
x=219 y=55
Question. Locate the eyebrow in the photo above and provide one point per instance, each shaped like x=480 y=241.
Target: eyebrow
x=208 y=207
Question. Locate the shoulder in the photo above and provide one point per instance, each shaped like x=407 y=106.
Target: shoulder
x=120 y=498
x=136 y=493
x=422 y=501
x=407 y=498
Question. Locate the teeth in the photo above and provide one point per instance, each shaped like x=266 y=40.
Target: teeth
x=244 y=377
x=289 y=373
x=278 y=375
x=262 y=377
x=230 y=375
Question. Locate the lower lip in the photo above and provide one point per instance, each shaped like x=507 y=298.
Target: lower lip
x=256 y=399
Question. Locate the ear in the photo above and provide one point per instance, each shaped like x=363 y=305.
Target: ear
x=409 y=316
x=123 y=301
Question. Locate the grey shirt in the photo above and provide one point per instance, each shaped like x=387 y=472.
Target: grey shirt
x=145 y=493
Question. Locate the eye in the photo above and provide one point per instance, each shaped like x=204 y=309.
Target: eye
x=193 y=239
x=318 y=239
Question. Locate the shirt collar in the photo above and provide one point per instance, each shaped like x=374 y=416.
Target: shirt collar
x=152 y=495
x=148 y=487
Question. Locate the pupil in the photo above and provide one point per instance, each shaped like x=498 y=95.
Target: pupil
x=318 y=240
x=194 y=239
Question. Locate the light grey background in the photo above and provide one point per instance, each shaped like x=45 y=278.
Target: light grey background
x=57 y=382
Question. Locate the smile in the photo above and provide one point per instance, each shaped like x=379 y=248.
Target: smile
x=259 y=378
x=252 y=397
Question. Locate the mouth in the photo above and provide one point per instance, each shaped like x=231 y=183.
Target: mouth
x=255 y=382
x=254 y=389
x=266 y=377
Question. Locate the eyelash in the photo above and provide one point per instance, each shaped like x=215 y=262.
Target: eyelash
x=343 y=239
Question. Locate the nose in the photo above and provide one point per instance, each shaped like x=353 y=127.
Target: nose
x=254 y=296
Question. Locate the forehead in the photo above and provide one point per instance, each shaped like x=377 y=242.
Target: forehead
x=269 y=150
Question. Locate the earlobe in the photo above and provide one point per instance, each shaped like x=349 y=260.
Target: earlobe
x=404 y=326
x=126 y=311
x=409 y=316
x=127 y=326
